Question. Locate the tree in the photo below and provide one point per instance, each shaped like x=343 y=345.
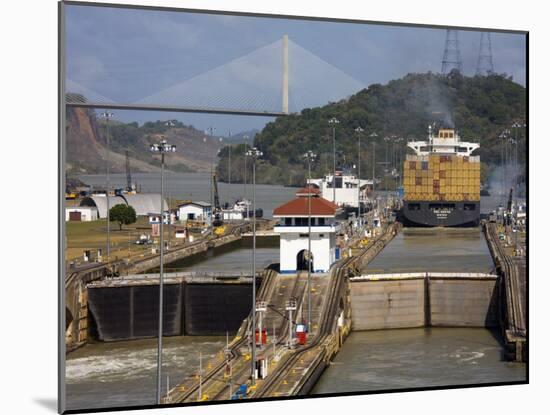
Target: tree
x=122 y=214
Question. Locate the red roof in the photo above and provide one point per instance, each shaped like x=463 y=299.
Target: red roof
x=299 y=207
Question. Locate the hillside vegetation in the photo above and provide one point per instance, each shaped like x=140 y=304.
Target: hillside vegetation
x=86 y=145
x=479 y=107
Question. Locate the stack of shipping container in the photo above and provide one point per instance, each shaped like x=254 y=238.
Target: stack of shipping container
x=441 y=177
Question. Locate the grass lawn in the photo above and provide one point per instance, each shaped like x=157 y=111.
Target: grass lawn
x=93 y=235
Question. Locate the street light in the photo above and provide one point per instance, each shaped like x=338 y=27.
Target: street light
x=334 y=122
x=254 y=153
x=399 y=161
x=170 y=124
x=161 y=148
x=516 y=126
x=310 y=157
x=503 y=135
x=108 y=115
x=373 y=135
x=229 y=161
x=244 y=191
x=359 y=130
x=386 y=140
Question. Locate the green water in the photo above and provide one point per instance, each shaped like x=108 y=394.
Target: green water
x=417 y=358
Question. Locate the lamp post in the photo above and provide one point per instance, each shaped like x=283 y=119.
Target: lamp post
x=310 y=157
x=516 y=126
x=399 y=161
x=244 y=180
x=229 y=160
x=503 y=135
x=373 y=135
x=334 y=122
x=359 y=130
x=161 y=148
x=107 y=115
x=170 y=124
x=254 y=153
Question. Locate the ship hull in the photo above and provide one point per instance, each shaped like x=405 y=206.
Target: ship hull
x=440 y=214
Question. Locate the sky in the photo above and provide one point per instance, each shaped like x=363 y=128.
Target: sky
x=192 y=59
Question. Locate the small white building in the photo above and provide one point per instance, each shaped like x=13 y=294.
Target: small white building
x=81 y=213
x=168 y=217
x=195 y=211
x=293 y=231
x=344 y=190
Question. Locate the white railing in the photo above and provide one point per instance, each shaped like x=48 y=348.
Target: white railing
x=415 y=275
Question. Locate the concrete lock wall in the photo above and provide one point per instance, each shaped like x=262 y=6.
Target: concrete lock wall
x=463 y=302
x=387 y=304
x=418 y=302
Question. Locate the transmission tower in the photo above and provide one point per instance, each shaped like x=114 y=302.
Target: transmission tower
x=451 y=56
x=485 y=59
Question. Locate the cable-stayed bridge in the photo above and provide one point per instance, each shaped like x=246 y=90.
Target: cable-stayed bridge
x=277 y=79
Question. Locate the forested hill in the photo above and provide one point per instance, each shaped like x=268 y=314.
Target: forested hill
x=479 y=107
x=86 y=145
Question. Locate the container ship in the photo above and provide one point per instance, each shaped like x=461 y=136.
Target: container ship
x=441 y=182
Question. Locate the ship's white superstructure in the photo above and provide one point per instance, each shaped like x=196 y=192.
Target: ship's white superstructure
x=447 y=141
x=345 y=192
x=239 y=211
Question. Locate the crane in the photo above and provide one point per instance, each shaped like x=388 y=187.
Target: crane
x=216 y=209
x=128 y=174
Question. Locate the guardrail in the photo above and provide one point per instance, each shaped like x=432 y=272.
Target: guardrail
x=416 y=275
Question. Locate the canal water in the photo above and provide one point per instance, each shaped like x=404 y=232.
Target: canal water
x=196 y=186
x=236 y=256
x=124 y=373
x=417 y=358
x=436 y=250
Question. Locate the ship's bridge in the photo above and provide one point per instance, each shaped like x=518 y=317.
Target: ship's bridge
x=447 y=141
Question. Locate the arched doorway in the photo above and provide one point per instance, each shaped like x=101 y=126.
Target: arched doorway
x=303 y=259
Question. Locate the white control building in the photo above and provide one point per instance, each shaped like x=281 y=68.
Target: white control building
x=293 y=231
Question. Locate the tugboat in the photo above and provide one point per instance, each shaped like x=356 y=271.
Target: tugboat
x=240 y=211
x=441 y=182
